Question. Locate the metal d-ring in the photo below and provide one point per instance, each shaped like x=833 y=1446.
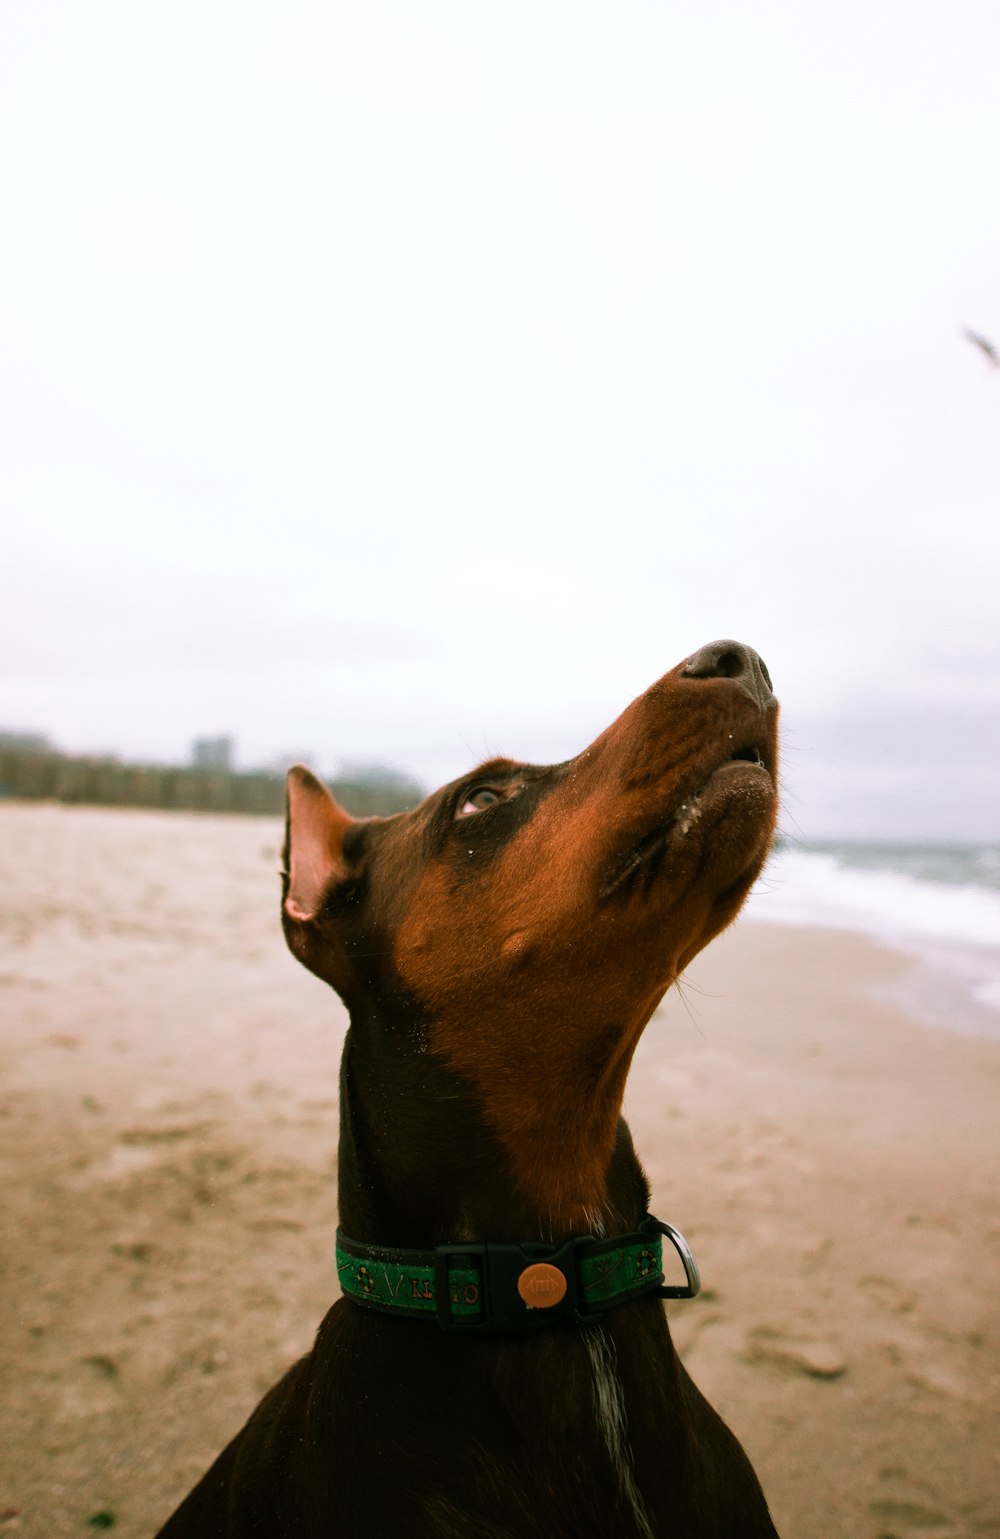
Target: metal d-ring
x=683 y=1249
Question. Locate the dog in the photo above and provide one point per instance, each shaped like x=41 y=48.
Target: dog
x=500 y=1363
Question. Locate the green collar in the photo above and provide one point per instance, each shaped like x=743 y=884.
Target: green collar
x=507 y=1286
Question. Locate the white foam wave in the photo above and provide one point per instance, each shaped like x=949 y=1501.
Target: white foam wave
x=810 y=888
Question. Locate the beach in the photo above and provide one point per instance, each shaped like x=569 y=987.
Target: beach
x=168 y=1130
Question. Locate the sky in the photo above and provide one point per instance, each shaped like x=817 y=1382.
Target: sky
x=420 y=382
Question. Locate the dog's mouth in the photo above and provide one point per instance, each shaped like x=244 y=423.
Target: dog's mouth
x=709 y=794
x=749 y=755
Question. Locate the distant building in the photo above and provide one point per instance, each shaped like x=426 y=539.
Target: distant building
x=212 y=753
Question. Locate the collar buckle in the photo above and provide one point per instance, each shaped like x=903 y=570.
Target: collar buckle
x=521 y=1287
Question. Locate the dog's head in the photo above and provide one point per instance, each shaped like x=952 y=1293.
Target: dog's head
x=528 y=919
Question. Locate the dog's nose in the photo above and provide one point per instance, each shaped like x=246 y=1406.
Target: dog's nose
x=732 y=660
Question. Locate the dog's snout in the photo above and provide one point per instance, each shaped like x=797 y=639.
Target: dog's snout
x=732 y=660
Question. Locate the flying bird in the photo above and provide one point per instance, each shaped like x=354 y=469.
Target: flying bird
x=985 y=346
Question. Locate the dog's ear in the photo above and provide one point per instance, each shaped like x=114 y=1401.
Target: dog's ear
x=315 y=864
x=314 y=845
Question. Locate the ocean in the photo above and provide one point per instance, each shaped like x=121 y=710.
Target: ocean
x=939 y=903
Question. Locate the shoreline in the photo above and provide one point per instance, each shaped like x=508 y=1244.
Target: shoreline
x=169 y=1097
x=942 y=983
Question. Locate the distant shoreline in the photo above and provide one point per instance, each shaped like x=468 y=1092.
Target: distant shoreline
x=32 y=775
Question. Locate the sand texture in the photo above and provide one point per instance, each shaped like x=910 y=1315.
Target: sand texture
x=168 y=1133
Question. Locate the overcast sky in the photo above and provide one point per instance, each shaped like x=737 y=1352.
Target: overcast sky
x=420 y=381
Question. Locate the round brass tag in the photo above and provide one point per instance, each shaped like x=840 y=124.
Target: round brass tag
x=541 y=1285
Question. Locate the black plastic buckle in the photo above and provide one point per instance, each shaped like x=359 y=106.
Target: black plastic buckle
x=500 y=1265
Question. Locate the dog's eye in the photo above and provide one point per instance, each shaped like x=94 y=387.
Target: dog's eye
x=478 y=800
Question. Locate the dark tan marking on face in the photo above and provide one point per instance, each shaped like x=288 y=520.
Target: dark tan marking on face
x=539 y=954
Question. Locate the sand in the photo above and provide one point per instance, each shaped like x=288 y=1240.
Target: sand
x=168 y=1134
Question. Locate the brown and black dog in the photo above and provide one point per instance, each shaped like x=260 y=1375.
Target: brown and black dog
x=500 y=950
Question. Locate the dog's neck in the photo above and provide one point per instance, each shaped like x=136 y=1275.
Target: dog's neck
x=419 y=1166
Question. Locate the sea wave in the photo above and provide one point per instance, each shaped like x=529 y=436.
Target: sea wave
x=884 y=900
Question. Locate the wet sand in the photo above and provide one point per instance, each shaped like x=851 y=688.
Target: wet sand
x=168 y=1116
